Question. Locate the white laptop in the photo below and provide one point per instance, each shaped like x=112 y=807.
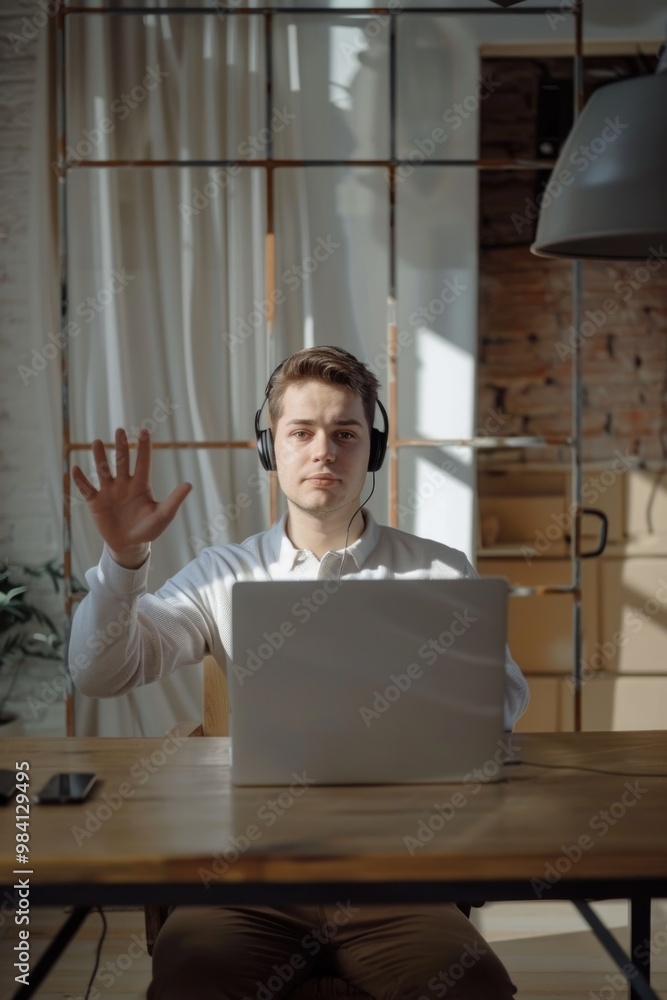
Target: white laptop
x=366 y=681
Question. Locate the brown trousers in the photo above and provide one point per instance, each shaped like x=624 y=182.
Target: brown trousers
x=391 y=952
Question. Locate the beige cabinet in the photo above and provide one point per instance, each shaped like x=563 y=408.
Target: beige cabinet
x=625 y=703
x=540 y=628
x=624 y=595
x=633 y=615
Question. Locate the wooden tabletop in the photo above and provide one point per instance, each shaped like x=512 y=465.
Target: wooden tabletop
x=165 y=812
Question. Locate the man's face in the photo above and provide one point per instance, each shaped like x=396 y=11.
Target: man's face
x=322 y=444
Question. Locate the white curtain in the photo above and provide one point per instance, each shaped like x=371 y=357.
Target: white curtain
x=153 y=286
x=165 y=265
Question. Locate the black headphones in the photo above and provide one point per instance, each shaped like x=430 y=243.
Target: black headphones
x=267 y=455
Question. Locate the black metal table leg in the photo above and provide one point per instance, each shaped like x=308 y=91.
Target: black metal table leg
x=53 y=952
x=640 y=937
x=640 y=986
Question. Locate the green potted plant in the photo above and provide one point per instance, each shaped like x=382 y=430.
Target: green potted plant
x=18 y=637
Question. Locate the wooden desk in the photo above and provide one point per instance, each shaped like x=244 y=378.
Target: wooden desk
x=165 y=808
x=158 y=827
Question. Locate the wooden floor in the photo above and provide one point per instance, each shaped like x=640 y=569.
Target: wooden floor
x=546 y=946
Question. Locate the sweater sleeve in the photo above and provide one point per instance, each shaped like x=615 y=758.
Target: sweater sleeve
x=123 y=637
x=517 y=694
x=516 y=691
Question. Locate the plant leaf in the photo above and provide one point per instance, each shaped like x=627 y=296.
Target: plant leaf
x=6 y=597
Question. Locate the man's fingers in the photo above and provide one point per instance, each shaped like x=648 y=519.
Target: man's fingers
x=101 y=463
x=86 y=488
x=122 y=454
x=142 y=470
x=152 y=526
x=174 y=501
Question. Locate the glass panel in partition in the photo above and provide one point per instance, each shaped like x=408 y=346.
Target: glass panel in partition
x=332 y=267
x=158 y=87
x=166 y=301
x=331 y=76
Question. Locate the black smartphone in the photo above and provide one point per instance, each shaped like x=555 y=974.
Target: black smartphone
x=72 y=787
x=7 y=785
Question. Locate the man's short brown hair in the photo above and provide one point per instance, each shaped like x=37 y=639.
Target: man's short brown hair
x=331 y=365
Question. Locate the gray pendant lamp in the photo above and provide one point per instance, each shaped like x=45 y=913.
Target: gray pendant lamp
x=607 y=196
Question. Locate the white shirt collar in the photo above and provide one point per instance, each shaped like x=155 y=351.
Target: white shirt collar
x=286 y=555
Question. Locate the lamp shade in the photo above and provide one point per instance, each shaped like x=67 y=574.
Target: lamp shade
x=607 y=196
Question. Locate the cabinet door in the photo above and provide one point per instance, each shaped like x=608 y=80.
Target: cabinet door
x=540 y=636
x=624 y=703
x=551 y=706
x=633 y=616
x=540 y=627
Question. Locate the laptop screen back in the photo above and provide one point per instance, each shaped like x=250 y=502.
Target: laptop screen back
x=366 y=681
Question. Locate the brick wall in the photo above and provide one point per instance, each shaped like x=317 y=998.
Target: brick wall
x=27 y=533
x=526 y=350
x=526 y=336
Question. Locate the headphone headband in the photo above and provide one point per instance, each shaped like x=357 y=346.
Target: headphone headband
x=265 y=448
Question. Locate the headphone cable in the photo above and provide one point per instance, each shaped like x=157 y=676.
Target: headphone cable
x=347 y=534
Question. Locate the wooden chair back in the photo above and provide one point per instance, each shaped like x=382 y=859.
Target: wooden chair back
x=215 y=698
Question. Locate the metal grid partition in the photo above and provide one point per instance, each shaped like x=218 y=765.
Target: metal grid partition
x=269 y=164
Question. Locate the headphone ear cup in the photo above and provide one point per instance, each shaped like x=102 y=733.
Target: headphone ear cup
x=267 y=455
x=270 y=451
x=379 y=441
x=378 y=450
x=372 y=457
x=264 y=438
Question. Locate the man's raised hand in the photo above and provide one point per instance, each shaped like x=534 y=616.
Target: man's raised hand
x=124 y=510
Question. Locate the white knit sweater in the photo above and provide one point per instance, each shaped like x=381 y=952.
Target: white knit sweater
x=123 y=637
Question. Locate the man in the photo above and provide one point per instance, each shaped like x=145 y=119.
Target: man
x=321 y=405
